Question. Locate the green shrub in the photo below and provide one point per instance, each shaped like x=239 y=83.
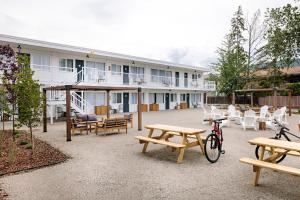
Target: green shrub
x=29 y=146
x=299 y=110
x=295 y=87
x=23 y=142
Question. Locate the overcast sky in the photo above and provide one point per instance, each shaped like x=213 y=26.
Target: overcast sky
x=185 y=31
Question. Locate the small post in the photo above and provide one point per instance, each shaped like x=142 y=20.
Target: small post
x=44 y=110
x=251 y=99
x=68 y=112
x=107 y=104
x=233 y=98
x=139 y=109
x=290 y=103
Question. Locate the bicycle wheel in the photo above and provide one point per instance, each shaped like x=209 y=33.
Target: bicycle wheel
x=212 y=148
x=258 y=149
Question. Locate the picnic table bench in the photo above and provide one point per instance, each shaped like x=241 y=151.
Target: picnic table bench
x=277 y=148
x=168 y=132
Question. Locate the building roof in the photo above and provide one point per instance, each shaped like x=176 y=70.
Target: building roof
x=52 y=45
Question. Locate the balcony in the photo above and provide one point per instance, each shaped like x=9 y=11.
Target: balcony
x=56 y=75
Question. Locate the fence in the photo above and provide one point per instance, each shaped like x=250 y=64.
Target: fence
x=281 y=101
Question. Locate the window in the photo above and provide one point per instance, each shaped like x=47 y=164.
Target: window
x=160 y=98
x=115 y=69
x=173 y=97
x=41 y=62
x=117 y=98
x=195 y=98
x=95 y=70
x=137 y=72
x=182 y=97
x=151 y=98
x=66 y=65
x=134 y=98
x=161 y=76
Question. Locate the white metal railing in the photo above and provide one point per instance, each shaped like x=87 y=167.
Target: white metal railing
x=79 y=103
x=209 y=85
x=56 y=95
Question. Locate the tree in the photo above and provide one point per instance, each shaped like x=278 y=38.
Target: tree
x=231 y=60
x=283 y=39
x=29 y=98
x=255 y=31
x=10 y=68
x=3 y=105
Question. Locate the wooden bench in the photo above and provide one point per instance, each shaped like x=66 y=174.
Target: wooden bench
x=274 y=166
x=78 y=125
x=263 y=164
x=143 y=139
x=111 y=124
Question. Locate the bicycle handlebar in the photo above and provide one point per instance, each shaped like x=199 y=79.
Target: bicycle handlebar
x=281 y=125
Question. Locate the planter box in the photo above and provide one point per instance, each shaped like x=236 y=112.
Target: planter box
x=144 y=107
x=100 y=110
x=154 y=107
x=183 y=105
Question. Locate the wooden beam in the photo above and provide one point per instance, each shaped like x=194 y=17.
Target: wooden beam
x=139 y=109
x=68 y=113
x=233 y=98
x=44 y=110
x=290 y=103
x=252 y=99
x=275 y=99
x=107 y=104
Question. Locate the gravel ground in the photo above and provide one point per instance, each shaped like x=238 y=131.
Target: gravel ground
x=113 y=167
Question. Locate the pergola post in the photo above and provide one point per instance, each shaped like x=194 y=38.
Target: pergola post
x=290 y=103
x=68 y=112
x=139 y=109
x=44 y=110
x=233 y=98
x=251 y=99
x=275 y=99
x=107 y=104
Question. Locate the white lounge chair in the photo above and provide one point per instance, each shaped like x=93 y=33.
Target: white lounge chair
x=279 y=115
x=264 y=113
x=249 y=120
x=233 y=114
x=218 y=114
x=206 y=115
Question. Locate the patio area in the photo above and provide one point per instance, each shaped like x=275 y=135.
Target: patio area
x=113 y=167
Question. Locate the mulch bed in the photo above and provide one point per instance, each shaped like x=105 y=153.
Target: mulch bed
x=43 y=155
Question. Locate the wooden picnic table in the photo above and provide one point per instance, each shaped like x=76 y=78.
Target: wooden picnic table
x=276 y=149
x=168 y=132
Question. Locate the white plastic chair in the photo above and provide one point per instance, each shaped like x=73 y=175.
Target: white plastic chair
x=206 y=115
x=279 y=115
x=218 y=114
x=264 y=113
x=249 y=120
x=233 y=114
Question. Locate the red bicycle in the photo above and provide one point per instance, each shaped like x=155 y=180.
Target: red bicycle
x=213 y=142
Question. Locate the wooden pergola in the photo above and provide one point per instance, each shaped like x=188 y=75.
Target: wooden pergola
x=69 y=88
x=273 y=90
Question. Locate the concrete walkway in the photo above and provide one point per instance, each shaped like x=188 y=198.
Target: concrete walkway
x=113 y=167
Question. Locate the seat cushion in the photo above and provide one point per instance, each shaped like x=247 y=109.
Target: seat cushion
x=82 y=117
x=91 y=117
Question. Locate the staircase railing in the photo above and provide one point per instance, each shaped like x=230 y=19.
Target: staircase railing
x=79 y=103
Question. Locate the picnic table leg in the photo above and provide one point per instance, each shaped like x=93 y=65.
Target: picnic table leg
x=200 y=143
x=146 y=143
x=181 y=150
x=257 y=169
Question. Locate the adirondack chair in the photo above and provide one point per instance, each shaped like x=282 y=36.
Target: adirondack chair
x=218 y=114
x=233 y=114
x=206 y=115
x=249 y=120
x=264 y=113
x=279 y=115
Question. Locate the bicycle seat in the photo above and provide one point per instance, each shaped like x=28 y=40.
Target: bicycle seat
x=219 y=120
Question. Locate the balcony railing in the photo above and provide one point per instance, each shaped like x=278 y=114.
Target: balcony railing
x=58 y=75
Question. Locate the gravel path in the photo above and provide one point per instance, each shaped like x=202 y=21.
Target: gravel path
x=113 y=167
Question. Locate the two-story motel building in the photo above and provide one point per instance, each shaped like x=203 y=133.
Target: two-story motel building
x=164 y=83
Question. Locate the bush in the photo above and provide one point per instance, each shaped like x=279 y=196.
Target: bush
x=23 y=142
x=299 y=110
x=295 y=87
x=29 y=146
